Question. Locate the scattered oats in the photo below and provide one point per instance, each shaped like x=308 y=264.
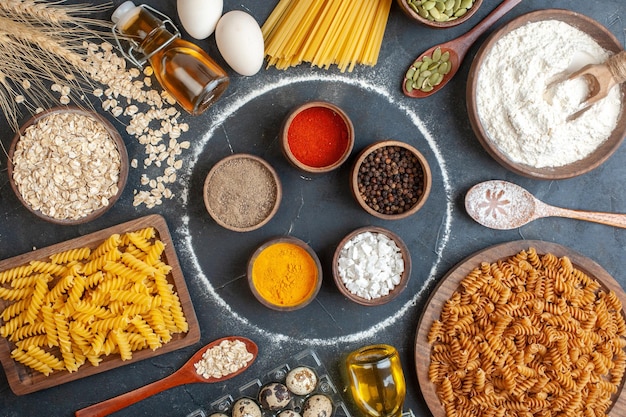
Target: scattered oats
x=19 y=99
x=185 y=145
x=25 y=84
x=65 y=90
x=126 y=93
x=64 y=100
x=56 y=88
x=134 y=163
x=116 y=111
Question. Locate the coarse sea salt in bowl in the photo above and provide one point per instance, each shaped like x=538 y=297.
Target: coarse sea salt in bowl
x=371 y=266
x=518 y=97
x=67 y=165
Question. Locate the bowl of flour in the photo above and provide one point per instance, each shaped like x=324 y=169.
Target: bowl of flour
x=519 y=97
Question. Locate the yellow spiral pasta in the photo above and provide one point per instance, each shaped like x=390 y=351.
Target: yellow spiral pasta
x=84 y=304
x=70 y=255
x=16 y=272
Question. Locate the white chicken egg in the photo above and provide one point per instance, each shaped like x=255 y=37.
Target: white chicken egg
x=240 y=41
x=199 y=17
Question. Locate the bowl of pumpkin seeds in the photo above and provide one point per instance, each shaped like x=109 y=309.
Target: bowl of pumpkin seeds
x=440 y=13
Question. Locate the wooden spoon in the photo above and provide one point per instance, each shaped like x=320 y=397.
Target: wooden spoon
x=458 y=48
x=503 y=205
x=185 y=375
x=600 y=78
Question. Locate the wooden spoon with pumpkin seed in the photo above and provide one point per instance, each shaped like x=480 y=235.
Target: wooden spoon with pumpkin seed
x=437 y=65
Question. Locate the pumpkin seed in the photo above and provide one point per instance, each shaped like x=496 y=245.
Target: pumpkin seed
x=460 y=12
x=440 y=6
x=466 y=4
x=434 y=13
x=437 y=55
x=408 y=85
x=429 y=71
x=427 y=5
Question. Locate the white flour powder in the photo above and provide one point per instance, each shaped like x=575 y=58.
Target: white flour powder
x=525 y=119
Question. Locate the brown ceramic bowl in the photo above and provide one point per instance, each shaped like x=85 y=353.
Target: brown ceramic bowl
x=426 y=183
x=304 y=299
x=605 y=39
x=242 y=192
x=404 y=279
x=114 y=135
x=339 y=141
x=414 y=14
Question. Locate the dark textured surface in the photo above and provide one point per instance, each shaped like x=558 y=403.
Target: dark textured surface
x=320 y=211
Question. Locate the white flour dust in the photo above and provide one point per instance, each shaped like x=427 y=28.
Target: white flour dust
x=525 y=113
x=229 y=110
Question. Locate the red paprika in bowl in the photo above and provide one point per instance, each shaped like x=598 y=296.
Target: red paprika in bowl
x=317 y=137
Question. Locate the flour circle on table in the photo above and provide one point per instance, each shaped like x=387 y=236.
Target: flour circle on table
x=232 y=106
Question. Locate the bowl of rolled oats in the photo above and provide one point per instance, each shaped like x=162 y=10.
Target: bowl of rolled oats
x=68 y=165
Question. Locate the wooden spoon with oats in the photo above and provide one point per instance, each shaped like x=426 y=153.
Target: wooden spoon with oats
x=245 y=350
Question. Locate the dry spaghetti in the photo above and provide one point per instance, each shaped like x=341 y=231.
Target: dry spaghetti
x=325 y=33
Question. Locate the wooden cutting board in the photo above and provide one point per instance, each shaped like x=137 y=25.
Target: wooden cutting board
x=24 y=380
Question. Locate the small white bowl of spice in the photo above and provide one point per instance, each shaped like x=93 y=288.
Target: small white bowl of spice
x=242 y=192
x=371 y=266
x=68 y=165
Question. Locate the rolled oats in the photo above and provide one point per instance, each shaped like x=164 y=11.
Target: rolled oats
x=223 y=359
x=66 y=165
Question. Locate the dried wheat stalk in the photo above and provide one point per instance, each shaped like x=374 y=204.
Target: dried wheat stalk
x=41 y=45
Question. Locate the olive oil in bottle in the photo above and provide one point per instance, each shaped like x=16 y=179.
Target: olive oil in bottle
x=184 y=70
x=376 y=380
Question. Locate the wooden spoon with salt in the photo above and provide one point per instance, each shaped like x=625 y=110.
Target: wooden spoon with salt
x=185 y=375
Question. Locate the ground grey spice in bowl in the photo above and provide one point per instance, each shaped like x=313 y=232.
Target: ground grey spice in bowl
x=242 y=192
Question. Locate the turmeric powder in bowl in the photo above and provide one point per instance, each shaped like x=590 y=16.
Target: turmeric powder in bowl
x=285 y=274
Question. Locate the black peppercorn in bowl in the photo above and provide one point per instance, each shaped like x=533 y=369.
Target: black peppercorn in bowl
x=390 y=180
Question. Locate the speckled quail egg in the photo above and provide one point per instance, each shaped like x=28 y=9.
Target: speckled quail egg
x=289 y=413
x=274 y=396
x=317 y=405
x=301 y=380
x=245 y=407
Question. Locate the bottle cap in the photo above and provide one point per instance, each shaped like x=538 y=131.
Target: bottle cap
x=122 y=12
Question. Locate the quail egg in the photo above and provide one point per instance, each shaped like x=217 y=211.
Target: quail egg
x=301 y=380
x=274 y=396
x=289 y=413
x=317 y=405
x=245 y=407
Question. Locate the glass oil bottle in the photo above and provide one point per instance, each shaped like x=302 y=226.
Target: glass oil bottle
x=376 y=380
x=184 y=70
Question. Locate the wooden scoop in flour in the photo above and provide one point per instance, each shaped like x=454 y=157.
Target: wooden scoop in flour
x=600 y=79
